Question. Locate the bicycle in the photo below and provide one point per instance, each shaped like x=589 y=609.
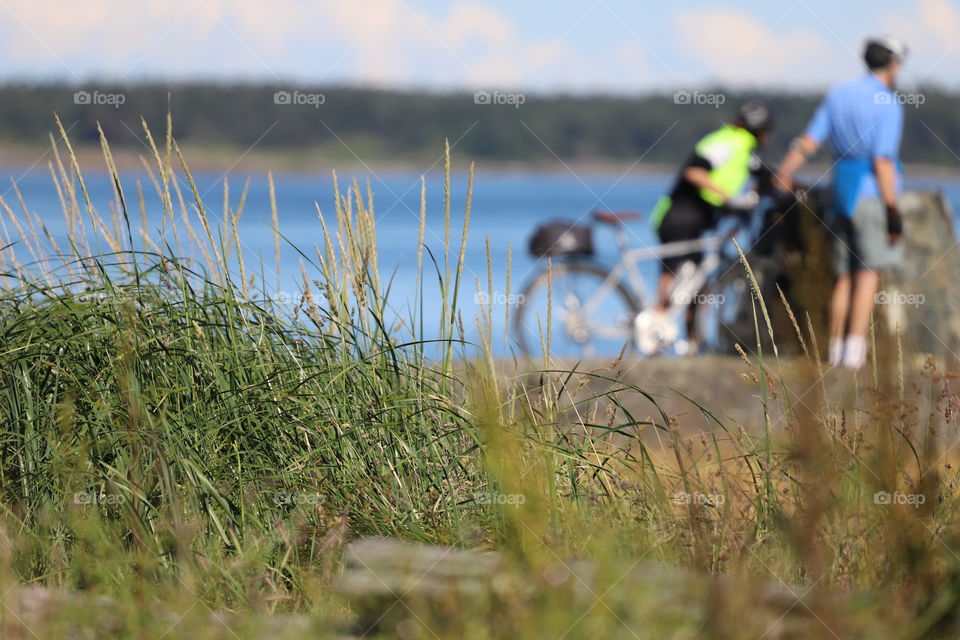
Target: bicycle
x=577 y=306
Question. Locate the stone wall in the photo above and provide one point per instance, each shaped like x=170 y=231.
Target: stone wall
x=923 y=299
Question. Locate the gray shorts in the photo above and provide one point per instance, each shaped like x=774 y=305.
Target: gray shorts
x=861 y=242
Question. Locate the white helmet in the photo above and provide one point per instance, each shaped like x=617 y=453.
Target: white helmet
x=894 y=45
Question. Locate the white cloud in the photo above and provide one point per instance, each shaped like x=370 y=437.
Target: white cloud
x=931 y=29
x=373 y=41
x=736 y=48
x=469 y=21
x=465 y=44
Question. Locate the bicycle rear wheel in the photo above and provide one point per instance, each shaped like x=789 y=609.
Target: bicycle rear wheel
x=576 y=309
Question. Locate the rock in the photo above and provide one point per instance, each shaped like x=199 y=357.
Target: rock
x=923 y=299
x=33 y=607
x=396 y=588
x=34 y=611
x=393 y=585
x=386 y=567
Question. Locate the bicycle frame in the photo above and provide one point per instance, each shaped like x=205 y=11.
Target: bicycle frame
x=626 y=267
x=625 y=279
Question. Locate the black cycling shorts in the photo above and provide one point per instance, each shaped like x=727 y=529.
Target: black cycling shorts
x=684 y=220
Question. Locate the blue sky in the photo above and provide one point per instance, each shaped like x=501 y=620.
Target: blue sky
x=595 y=45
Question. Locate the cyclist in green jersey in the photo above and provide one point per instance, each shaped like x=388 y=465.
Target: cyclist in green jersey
x=717 y=171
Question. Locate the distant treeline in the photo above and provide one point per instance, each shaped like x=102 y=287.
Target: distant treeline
x=375 y=124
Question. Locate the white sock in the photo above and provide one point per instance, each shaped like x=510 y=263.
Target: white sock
x=855 y=352
x=836 y=352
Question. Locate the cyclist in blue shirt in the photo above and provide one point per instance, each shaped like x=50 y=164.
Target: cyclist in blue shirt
x=863 y=121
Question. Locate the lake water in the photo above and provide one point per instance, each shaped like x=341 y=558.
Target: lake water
x=506 y=209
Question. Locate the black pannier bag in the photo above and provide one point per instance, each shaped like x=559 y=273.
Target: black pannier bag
x=561 y=238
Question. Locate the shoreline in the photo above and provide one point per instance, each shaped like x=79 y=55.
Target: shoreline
x=314 y=161
x=229 y=160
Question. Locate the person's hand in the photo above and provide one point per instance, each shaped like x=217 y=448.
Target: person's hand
x=894 y=224
x=746 y=201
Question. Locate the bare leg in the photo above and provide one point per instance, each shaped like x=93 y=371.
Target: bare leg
x=839 y=314
x=840 y=307
x=866 y=283
x=693 y=336
x=663 y=290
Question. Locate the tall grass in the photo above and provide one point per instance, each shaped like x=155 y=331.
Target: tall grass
x=171 y=436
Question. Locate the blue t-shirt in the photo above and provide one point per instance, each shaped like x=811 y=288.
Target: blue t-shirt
x=863 y=120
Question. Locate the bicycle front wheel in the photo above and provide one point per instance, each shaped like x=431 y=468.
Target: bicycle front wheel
x=727 y=319
x=575 y=309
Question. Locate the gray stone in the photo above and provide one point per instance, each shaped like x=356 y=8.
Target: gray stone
x=397 y=588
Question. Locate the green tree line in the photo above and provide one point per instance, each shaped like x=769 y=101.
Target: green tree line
x=373 y=123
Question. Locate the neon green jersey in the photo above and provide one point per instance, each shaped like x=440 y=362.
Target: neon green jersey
x=729 y=150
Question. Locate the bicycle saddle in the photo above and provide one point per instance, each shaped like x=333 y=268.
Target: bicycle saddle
x=616 y=217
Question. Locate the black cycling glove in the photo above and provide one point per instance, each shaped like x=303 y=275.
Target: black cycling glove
x=894 y=221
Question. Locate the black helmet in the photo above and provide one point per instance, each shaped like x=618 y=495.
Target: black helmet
x=755 y=116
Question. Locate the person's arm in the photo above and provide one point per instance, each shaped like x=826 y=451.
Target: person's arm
x=885 y=169
x=704 y=160
x=700 y=178
x=801 y=149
